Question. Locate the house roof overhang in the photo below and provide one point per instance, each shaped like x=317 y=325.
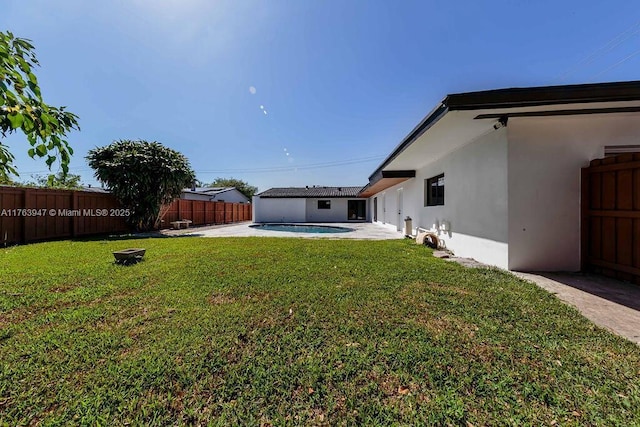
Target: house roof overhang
x=461 y=118
x=385 y=180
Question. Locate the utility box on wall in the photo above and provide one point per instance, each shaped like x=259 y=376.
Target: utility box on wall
x=408 y=226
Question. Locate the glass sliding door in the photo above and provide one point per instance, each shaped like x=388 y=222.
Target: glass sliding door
x=357 y=210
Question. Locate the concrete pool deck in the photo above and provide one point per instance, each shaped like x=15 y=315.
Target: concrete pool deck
x=362 y=230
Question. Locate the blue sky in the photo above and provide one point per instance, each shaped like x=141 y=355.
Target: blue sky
x=341 y=81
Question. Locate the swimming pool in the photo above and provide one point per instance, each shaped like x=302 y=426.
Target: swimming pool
x=302 y=228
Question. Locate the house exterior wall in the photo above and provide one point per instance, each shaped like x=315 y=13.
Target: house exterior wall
x=279 y=210
x=545 y=158
x=337 y=213
x=301 y=210
x=512 y=196
x=475 y=210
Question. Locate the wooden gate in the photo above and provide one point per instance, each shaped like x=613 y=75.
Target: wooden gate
x=611 y=217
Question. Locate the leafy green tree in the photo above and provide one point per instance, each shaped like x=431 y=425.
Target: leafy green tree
x=23 y=109
x=242 y=186
x=143 y=175
x=60 y=180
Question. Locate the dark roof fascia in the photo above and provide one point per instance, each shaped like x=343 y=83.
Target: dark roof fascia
x=399 y=174
x=426 y=123
x=514 y=98
x=391 y=174
x=550 y=113
x=545 y=95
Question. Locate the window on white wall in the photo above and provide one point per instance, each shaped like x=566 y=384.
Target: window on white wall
x=434 y=191
x=324 y=204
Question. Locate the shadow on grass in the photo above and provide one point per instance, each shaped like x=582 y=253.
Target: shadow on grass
x=102 y=238
x=128 y=262
x=129 y=236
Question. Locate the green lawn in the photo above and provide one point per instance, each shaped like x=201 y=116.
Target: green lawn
x=291 y=331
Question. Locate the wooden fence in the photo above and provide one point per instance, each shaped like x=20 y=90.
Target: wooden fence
x=206 y=213
x=31 y=215
x=611 y=217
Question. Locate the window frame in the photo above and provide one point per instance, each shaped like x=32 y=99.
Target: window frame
x=326 y=204
x=429 y=198
x=357 y=205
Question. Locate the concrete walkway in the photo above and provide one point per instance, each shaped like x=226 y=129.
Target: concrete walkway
x=362 y=230
x=609 y=303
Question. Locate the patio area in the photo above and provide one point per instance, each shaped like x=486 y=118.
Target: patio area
x=362 y=231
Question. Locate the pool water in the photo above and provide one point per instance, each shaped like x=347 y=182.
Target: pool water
x=300 y=228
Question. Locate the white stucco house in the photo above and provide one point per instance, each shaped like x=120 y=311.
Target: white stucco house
x=497 y=174
x=310 y=204
x=214 y=194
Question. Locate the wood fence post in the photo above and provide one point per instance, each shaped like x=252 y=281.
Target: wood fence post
x=25 y=204
x=585 y=201
x=74 y=218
